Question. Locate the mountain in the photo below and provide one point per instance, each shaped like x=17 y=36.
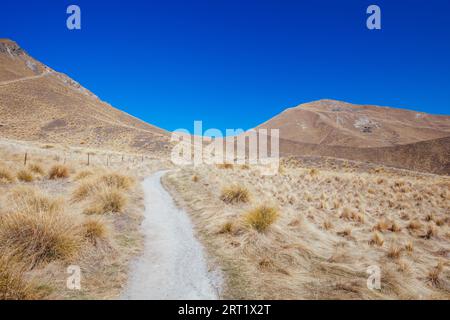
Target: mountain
x=40 y=104
x=335 y=123
x=382 y=135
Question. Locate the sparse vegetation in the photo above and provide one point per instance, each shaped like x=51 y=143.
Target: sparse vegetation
x=13 y=285
x=235 y=194
x=36 y=169
x=376 y=218
x=25 y=176
x=37 y=237
x=94 y=229
x=6 y=176
x=58 y=171
x=107 y=200
x=261 y=218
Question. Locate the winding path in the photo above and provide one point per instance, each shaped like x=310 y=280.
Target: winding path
x=172 y=265
x=43 y=74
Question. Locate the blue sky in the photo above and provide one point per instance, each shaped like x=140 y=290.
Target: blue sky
x=237 y=63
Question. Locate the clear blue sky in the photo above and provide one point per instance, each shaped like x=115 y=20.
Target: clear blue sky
x=237 y=63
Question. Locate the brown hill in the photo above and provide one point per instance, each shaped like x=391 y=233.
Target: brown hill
x=335 y=123
x=381 y=135
x=40 y=104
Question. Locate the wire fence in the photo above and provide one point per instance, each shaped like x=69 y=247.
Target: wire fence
x=86 y=158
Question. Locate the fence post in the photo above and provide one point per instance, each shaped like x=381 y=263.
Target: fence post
x=107 y=160
x=25 y=159
x=88 y=158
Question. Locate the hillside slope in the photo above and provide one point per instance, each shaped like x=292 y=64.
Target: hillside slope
x=335 y=123
x=40 y=104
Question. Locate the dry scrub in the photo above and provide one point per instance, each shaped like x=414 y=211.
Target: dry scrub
x=331 y=224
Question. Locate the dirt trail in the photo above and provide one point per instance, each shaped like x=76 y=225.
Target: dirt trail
x=173 y=264
x=25 y=78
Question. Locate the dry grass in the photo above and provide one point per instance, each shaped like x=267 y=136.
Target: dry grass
x=30 y=200
x=95 y=229
x=261 y=218
x=37 y=237
x=58 y=171
x=367 y=212
x=83 y=175
x=227 y=227
x=6 y=176
x=225 y=166
x=116 y=180
x=13 y=285
x=107 y=200
x=394 y=251
x=25 y=175
x=377 y=239
x=434 y=274
x=235 y=194
x=36 y=169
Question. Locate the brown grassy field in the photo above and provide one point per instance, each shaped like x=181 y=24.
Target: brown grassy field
x=311 y=232
x=57 y=212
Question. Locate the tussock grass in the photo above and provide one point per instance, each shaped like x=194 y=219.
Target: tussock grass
x=94 y=229
x=195 y=178
x=83 y=175
x=227 y=227
x=116 y=180
x=38 y=237
x=58 y=171
x=25 y=175
x=348 y=214
x=414 y=225
x=107 y=200
x=394 y=251
x=261 y=218
x=434 y=274
x=13 y=285
x=30 y=200
x=377 y=239
x=6 y=176
x=36 y=169
x=225 y=166
x=235 y=194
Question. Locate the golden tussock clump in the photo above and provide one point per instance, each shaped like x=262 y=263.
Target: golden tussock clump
x=25 y=175
x=116 y=180
x=261 y=218
x=6 y=176
x=13 y=285
x=38 y=237
x=195 y=178
x=83 y=174
x=227 y=227
x=327 y=225
x=235 y=194
x=36 y=168
x=347 y=232
x=394 y=251
x=94 y=229
x=225 y=166
x=348 y=214
x=58 y=171
x=29 y=200
x=377 y=239
x=107 y=200
x=414 y=225
x=434 y=274
x=93 y=185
